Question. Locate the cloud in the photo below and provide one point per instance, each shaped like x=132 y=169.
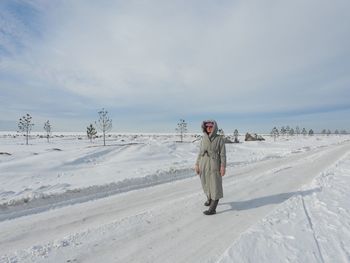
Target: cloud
x=184 y=57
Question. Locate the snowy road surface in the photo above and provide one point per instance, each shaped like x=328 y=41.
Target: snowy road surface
x=163 y=223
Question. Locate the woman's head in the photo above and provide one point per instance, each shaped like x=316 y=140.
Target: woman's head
x=209 y=126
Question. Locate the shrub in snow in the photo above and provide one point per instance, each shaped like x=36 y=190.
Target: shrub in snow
x=91 y=132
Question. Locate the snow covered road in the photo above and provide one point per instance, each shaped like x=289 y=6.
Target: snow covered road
x=164 y=223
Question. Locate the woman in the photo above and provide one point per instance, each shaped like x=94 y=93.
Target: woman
x=211 y=164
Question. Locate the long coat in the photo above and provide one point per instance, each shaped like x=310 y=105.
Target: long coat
x=212 y=155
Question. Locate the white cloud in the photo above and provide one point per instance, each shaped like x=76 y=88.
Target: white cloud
x=215 y=56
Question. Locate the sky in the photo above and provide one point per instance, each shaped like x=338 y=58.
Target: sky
x=250 y=65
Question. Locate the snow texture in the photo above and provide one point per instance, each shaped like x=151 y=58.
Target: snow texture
x=138 y=200
x=311 y=227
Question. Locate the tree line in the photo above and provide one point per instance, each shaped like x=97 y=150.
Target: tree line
x=275 y=132
x=104 y=123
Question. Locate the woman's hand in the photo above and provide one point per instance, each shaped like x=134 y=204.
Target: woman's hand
x=196 y=167
x=222 y=170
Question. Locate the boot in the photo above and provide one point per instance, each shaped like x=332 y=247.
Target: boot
x=207 y=203
x=212 y=208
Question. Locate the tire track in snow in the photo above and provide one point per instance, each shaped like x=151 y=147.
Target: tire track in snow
x=75 y=196
x=312 y=229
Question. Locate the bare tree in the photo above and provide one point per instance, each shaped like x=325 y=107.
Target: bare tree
x=181 y=128
x=304 y=132
x=48 y=129
x=283 y=130
x=236 y=134
x=91 y=132
x=291 y=132
x=25 y=125
x=274 y=133
x=104 y=123
x=287 y=130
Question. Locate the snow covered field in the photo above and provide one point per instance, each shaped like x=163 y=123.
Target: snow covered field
x=71 y=201
x=71 y=164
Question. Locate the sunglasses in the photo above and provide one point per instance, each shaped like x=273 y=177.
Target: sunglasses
x=209 y=125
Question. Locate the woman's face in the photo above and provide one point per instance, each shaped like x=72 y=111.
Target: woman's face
x=209 y=127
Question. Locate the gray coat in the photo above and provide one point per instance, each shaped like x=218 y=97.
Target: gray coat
x=212 y=155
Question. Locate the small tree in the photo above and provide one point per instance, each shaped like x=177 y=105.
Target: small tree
x=274 y=133
x=324 y=132
x=297 y=130
x=304 y=132
x=91 y=132
x=291 y=132
x=287 y=130
x=311 y=132
x=329 y=132
x=47 y=128
x=336 y=132
x=25 y=125
x=181 y=128
x=283 y=130
x=236 y=134
x=104 y=123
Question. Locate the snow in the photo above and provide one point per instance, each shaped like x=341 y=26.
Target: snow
x=138 y=200
x=311 y=226
x=70 y=164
